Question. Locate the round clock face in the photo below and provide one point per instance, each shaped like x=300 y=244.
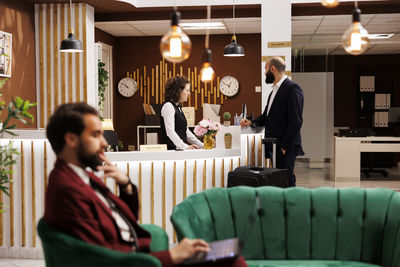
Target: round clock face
x=229 y=86
x=127 y=87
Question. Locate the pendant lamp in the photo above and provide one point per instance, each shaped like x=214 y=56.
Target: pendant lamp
x=234 y=49
x=71 y=44
x=175 y=45
x=355 y=39
x=207 y=72
x=330 y=3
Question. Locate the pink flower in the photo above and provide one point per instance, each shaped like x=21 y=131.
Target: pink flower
x=206 y=126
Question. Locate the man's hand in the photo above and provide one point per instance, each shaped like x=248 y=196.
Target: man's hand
x=245 y=123
x=112 y=171
x=283 y=151
x=187 y=248
x=193 y=147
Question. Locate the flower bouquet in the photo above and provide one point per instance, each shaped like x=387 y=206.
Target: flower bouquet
x=207 y=129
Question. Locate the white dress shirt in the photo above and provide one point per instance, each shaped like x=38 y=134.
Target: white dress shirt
x=168 y=113
x=275 y=89
x=123 y=227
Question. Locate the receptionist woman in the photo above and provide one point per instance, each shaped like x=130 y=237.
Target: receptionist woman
x=174 y=130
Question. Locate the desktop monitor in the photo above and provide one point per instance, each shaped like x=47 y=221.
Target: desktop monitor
x=394 y=117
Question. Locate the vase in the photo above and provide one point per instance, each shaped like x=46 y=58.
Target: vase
x=228 y=141
x=208 y=141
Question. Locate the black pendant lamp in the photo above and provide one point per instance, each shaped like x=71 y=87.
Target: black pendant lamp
x=71 y=44
x=234 y=49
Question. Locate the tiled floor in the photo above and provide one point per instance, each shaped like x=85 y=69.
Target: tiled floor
x=306 y=177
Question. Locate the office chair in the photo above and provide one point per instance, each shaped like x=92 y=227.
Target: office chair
x=370 y=158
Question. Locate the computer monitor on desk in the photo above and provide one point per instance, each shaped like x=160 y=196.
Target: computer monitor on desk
x=394 y=117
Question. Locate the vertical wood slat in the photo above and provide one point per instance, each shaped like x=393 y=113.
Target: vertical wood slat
x=157 y=83
x=152 y=192
x=163 y=198
x=152 y=81
x=259 y=163
x=85 y=89
x=70 y=85
x=148 y=90
x=253 y=151
x=77 y=57
x=213 y=173
x=48 y=61
x=23 y=224
x=41 y=63
x=205 y=175
x=222 y=172
x=174 y=194
x=246 y=156
x=33 y=195
x=63 y=55
x=195 y=177
x=140 y=192
x=231 y=165
x=56 y=53
x=11 y=207
x=185 y=180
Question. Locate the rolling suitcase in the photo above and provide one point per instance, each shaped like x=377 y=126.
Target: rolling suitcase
x=260 y=176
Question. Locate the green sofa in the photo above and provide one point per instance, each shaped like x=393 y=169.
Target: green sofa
x=61 y=250
x=298 y=226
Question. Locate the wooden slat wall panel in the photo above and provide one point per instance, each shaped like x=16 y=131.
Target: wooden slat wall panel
x=63 y=76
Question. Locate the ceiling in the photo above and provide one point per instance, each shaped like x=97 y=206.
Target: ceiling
x=313 y=35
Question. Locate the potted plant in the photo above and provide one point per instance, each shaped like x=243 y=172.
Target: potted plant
x=228 y=140
x=227 y=118
x=17 y=110
x=207 y=129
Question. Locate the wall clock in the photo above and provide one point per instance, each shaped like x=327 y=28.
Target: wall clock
x=229 y=86
x=127 y=87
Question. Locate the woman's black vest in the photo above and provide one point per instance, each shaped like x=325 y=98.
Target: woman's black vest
x=180 y=128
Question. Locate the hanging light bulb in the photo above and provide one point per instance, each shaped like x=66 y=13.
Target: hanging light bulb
x=71 y=44
x=175 y=45
x=207 y=72
x=330 y=3
x=234 y=49
x=355 y=39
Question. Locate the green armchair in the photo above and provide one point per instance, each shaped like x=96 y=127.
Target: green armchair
x=298 y=226
x=61 y=250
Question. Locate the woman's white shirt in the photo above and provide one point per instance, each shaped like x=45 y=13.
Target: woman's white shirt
x=168 y=113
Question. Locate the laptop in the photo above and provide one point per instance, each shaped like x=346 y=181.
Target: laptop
x=228 y=248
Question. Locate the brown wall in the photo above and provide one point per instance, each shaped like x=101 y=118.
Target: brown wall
x=135 y=52
x=17 y=18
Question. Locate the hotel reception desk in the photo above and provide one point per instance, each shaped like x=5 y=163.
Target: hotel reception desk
x=163 y=178
x=348 y=154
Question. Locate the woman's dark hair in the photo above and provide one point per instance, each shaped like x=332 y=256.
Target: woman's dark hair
x=174 y=87
x=67 y=118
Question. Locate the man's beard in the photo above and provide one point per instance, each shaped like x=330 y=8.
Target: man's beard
x=269 y=77
x=88 y=160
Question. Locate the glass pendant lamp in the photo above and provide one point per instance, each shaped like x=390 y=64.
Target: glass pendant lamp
x=330 y=3
x=71 y=44
x=207 y=72
x=355 y=39
x=175 y=45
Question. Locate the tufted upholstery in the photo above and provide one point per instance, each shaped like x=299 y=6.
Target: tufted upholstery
x=351 y=224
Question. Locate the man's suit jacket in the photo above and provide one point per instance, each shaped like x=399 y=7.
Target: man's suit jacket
x=285 y=117
x=73 y=208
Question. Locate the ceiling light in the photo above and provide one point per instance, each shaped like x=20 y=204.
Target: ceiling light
x=234 y=49
x=71 y=44
x=330 y=3
x=355 y=39
x=202 y=25
x=380 y=35
x=175 y=45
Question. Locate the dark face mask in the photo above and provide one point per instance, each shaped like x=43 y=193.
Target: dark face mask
x=269 y=77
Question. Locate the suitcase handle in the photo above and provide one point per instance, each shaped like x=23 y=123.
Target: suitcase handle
x=256 y=168
x=269 y=140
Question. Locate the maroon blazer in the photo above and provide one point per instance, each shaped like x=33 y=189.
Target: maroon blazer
x=73 y=208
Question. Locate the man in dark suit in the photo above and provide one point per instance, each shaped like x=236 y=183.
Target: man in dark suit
x=79 y=204
x=282 y=117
